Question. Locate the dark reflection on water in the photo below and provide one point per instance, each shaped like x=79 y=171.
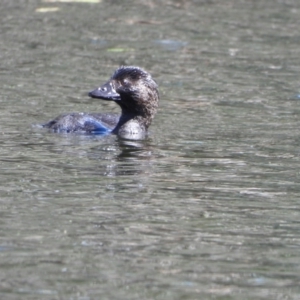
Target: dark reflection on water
x=207 y=207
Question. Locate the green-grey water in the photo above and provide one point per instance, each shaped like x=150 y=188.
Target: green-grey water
x=207 y=207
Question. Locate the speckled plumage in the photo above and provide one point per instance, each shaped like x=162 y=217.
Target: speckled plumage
x=134 y=90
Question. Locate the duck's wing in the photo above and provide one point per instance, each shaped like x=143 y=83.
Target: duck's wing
x=100 y=123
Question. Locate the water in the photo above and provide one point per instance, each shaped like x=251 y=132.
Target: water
x=207 y=207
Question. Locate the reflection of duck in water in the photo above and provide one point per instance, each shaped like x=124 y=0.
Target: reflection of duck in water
x=134 y=90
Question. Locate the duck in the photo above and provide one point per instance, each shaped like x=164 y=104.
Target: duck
x=136 y=93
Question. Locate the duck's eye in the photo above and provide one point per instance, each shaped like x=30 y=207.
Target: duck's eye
x=125 y=82
x=102 y=88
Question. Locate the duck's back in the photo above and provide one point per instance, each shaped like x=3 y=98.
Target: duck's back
x=88 y=122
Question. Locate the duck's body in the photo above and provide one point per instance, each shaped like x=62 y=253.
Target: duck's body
x=86 y=122
x=134 y=90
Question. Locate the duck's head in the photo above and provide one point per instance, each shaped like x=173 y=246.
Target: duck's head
x=133 y=89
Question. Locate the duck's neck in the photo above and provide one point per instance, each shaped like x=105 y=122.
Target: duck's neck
x=136 y=115
x=131 y=123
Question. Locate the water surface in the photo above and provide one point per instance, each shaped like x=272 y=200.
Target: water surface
x=207 y=207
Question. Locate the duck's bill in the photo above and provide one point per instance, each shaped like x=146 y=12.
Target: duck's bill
x=105 y=92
